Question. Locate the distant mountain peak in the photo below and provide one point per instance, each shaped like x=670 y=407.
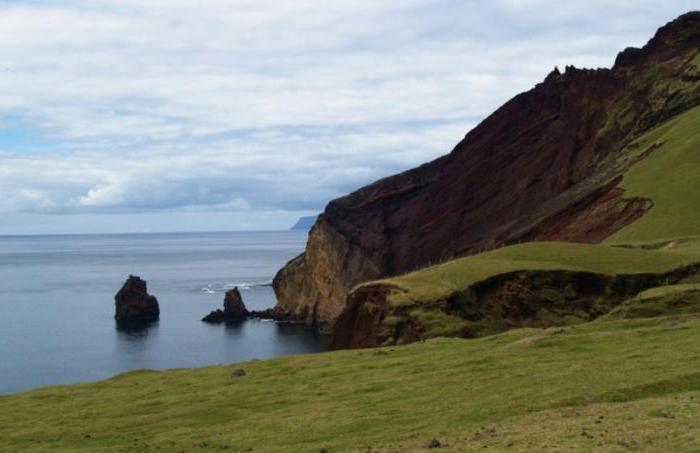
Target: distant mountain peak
x=305 y=223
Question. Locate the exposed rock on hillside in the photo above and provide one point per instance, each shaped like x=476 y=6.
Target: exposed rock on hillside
x=544 y=166
x=134 y=304
x=508 y=301
x=234 y=309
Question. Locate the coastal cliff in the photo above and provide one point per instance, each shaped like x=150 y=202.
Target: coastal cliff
x=547 y=165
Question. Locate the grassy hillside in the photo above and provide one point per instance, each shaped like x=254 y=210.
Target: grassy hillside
x=612 y=385
x=670 y=177
x=540 y=284
x=439 y=281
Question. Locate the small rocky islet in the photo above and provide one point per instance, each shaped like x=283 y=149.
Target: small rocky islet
x=234 y=309
x=133 y=304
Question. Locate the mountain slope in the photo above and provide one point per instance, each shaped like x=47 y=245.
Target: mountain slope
x=524 y=285
x=546 y=166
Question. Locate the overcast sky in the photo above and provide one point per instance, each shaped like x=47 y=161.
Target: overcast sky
x=181 y=115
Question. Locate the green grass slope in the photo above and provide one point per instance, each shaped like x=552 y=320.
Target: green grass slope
x=670 y=177
x=607 y=385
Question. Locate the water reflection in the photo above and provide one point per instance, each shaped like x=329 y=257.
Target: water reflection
x=303 y=338
x=235 y=330
x=260 y=338
x=135 y=329
x=135 y=338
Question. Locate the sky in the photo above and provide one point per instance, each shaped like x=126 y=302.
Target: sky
x=222 y=115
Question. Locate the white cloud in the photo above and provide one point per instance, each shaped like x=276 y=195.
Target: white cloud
x=245 y=105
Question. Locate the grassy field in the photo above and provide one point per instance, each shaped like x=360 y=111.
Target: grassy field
x=605 y=384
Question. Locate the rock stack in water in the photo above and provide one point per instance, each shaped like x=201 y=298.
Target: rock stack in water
x=234 y=309
x=134 y=304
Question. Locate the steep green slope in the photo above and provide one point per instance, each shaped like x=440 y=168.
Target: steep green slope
x=670 y=177
x=631 y=381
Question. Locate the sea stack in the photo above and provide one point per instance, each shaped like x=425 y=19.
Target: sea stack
x=234 y=309
x=134 y=304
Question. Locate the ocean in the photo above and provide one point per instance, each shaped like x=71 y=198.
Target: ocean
x=57 y=304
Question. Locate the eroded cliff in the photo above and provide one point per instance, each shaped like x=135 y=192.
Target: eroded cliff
x=546 y=165
x=532 y=298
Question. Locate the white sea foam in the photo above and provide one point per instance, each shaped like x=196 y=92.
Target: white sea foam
x=243 y=286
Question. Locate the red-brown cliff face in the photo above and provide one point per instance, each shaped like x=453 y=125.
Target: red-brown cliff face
x=544 y=166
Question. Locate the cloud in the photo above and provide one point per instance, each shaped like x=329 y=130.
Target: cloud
x=247 y=106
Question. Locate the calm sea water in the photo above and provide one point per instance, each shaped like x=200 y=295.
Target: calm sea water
x=57 y=303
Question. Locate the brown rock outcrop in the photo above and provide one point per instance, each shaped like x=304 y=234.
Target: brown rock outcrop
x=546 y=165
x=234 y=309
x=134 y=304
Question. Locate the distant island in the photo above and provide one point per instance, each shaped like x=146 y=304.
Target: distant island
x=305 y=223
